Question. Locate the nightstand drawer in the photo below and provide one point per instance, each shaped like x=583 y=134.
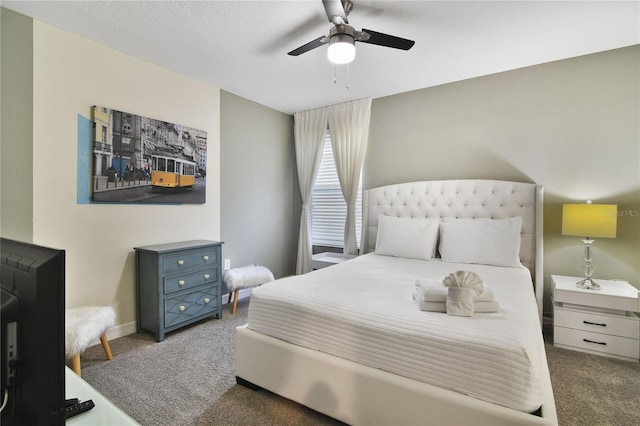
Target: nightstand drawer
x=597 y=323
x=596 y=342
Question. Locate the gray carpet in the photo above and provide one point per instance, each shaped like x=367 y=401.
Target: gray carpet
x=188 y=379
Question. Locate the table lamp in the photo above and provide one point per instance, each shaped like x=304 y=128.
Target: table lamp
x=588 y=221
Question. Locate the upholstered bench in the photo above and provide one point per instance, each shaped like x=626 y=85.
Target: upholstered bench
x=83 y=326
x=245 y=277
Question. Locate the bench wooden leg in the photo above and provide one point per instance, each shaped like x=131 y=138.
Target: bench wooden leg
x=75 y=364
x=229 y=301
x=235 y=301
x=105 y=346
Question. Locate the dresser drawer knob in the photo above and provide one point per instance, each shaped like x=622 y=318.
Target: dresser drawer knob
x=205 y=257
x=206 y=300
x=597 y=343
x=206 y=276
x=180 y=262
x=181 y=282
x=599 y=324
x=181 y=308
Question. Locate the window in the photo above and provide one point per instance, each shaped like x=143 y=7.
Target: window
x=328 y=208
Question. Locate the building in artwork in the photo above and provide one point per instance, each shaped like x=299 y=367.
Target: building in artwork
x=125 y=142
x=101 y=140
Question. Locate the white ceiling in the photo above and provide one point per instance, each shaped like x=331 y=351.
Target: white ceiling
x=241 y=46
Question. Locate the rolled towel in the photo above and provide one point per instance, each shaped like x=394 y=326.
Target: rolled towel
x=428 y=306
x=478 y=307
x=431 y=290
x=460 y=301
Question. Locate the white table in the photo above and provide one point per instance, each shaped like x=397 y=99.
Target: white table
x=104 y=412
x=601 y=322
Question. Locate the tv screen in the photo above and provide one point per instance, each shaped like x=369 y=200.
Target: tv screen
x=33 y=358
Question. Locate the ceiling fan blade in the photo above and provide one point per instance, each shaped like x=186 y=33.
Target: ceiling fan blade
x=335 y=9
x=385 y=40
x=309 y=46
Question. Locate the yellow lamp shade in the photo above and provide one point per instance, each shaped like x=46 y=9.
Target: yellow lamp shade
x=590 y=220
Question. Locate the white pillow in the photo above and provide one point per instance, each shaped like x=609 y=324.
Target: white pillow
x=484 y=241
x=406 y=237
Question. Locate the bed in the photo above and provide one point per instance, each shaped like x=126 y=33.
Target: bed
x=350 y=342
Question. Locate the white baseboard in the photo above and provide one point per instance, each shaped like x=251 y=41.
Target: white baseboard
x=130 y=328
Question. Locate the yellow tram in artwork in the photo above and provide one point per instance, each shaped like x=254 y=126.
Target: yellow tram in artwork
x=170 y=170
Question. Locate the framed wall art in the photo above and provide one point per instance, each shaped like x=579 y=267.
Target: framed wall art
x=144 y=160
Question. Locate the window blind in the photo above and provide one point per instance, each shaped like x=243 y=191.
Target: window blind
x=328 y=207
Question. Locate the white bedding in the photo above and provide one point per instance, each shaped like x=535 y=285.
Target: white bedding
x=362 y=310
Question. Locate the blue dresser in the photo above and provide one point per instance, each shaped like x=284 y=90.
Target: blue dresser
x=177 y=284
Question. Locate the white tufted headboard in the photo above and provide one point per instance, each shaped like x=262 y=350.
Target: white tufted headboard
x=463 y=199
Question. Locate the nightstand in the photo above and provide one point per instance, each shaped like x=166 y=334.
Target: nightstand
x=601 y=322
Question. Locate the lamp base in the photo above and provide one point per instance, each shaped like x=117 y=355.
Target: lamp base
x=588 y=284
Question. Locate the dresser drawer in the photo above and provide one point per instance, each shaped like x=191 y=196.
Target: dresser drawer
x=597 y=323
x=186 y=281
x=189 y=260
x=187 y=306
x=596 y=342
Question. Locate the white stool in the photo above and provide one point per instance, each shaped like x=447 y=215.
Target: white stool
x=84 y=325
x=245 y=277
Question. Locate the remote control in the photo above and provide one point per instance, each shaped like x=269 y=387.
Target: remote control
x=70 y=401
x=78 y=408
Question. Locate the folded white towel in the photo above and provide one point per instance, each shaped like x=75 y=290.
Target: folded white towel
x=485 y=296
x=478 y=307
x=435 y=291
x=431 y=290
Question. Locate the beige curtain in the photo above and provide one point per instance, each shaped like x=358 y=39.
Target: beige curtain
x=349 y=129
x=309 y=131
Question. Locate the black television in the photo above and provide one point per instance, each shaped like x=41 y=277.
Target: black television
x=33 y=358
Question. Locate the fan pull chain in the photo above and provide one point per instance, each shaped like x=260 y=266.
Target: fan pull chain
x=335 y=76
x=348 y=85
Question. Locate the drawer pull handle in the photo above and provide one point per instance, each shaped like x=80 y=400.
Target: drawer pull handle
x=180 y=262
x=181 y=308
x=595 y=323
x=597 y=343
x=181 y=282
x=205 y=257
x=206 y=276
x=206 y=300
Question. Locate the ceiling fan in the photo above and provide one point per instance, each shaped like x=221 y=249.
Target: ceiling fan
x=342 y=37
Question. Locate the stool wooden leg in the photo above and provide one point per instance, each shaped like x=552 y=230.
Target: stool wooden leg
x=105 y=346
x=75 y=364
x=235 y=301
x=229 y=301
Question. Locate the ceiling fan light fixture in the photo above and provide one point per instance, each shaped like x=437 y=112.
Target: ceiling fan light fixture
x=342 y=49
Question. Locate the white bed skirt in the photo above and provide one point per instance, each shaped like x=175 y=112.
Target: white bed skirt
x=359 y=395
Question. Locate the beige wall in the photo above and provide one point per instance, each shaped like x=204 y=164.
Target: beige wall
x=572 y=126
x=70 y=74
x=16 y=149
